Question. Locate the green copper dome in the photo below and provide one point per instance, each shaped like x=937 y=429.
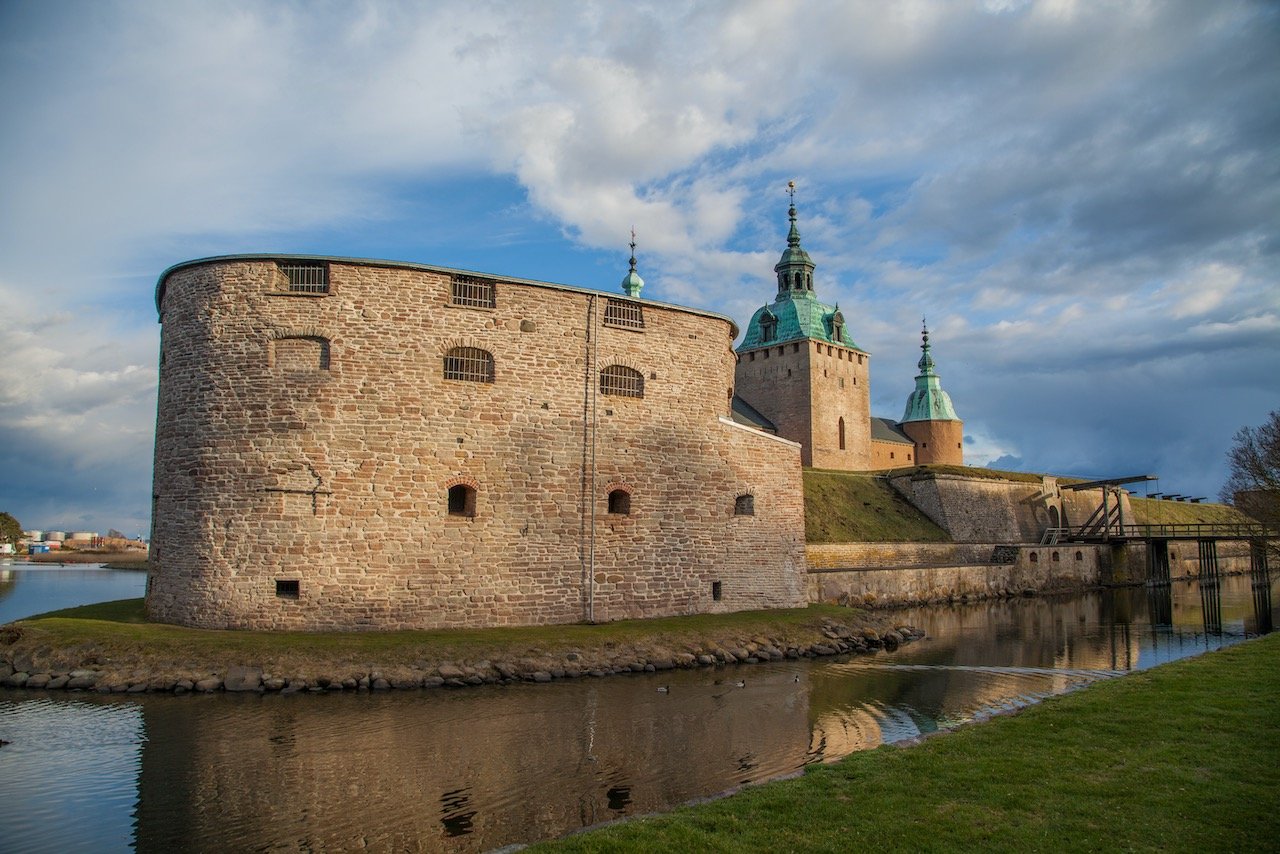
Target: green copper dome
x=928 y=402
x=795 y=312
x=632 y=283
x=790 y=319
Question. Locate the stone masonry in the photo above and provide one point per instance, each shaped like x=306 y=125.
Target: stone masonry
x=315 y=469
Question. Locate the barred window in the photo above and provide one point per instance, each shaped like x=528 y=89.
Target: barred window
x=622 y=381
x=306 y=277
x=469 y=363
x=472 y=291
x=628 y=315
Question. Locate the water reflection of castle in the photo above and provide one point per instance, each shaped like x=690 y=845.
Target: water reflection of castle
x=451 y=770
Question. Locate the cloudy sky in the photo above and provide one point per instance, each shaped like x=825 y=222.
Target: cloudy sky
x=1083 y=197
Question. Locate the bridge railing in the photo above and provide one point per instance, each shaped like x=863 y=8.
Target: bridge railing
x=1173 y=531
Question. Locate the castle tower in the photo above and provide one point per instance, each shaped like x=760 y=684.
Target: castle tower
x=798 y=367
x=930 y=420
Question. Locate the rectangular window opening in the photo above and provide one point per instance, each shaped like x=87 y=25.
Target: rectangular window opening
x=717 y=591
x=306 y=277
x=473 y=292
x=624 y=314
x=288 y=588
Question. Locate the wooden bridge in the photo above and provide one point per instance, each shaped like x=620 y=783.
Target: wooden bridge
x=1108 y=526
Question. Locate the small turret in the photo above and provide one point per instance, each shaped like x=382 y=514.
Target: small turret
x=632 y=283
x=928 y=402
x=930 y=419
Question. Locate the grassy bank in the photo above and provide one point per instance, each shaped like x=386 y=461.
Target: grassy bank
x=1152 y=511
x=840 y=507
x=115 y=638
x=1179 y=758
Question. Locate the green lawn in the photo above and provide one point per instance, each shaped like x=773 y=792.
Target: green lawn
x=1185 y=757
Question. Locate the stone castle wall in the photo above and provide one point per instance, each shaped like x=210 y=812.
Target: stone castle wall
x=980 y=510
x=809 y=389
x=312 y=439
x=901 y=573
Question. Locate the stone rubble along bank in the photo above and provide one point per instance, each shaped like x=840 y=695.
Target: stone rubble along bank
x=19 y=668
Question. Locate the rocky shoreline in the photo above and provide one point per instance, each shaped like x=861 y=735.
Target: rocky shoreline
x=32 y=666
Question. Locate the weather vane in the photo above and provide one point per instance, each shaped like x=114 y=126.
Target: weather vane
x=791 y=191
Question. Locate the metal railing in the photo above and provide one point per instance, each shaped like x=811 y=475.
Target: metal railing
x=1172 y=531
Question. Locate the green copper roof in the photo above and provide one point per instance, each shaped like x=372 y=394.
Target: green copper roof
x=928 y=402
x=795 y=312
x=794 y=318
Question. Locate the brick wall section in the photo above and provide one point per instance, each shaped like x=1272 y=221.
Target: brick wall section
x=939 y=442
x=805 y=388
x=337 y=477
x=890 y=455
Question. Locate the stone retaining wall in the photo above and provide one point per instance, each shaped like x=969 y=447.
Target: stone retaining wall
x=902 y=573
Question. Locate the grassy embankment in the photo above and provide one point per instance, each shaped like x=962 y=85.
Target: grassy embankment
x=1179 y=758
x=840 y=507
x=1152 y=511
x=119 y=636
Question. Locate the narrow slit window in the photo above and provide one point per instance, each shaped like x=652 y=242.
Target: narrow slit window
x=462 y=500
x=473 y=292
x=840 y=429
x=619 y=503
x=717 y=591
x=622 y=381
x=624 y=314
x=470 y=364
x=306 y=277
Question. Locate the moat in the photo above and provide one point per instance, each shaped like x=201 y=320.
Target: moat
x=486 y=767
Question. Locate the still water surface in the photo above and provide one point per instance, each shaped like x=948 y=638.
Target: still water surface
x=485 y=767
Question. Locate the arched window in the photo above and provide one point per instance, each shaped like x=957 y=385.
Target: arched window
x=840 y=427
x=619 y=502
x=462 y=500
x=470 y=364
x=622 y=381
x=744 y=505
x=1035 y=558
